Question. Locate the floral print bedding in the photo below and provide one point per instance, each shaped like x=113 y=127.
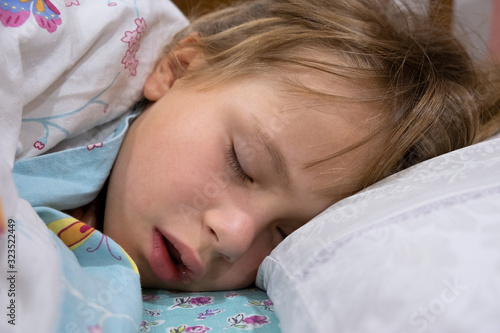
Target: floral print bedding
x=222 y=311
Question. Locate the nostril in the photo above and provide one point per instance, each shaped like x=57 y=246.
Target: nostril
x=214 y=234
x=229 y=231
x=228 y=258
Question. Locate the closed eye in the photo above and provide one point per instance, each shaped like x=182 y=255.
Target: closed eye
x=235 y=164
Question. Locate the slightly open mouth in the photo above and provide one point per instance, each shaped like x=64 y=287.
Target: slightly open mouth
x=176 y=257
x=174 y=253
x=172 y=261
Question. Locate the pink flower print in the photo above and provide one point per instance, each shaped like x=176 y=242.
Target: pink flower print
x=94 y=329
x=112 y=4
x=199 y=301
x=96 y=145
x=133 y=67
x=256 y=320
x=70 y=3
x=240 y=321
x=128 y=59
x=134 y=46
x=141 y=25
x=231 y=295
x=133 y=39
x=12 y=18
x=268 y=302
x=130 y=36
x=13 y=13
x=191 y=302
x=39 y=145
x=49 y=25
x=197 y=329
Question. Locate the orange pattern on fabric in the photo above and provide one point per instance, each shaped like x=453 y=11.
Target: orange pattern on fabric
x=2 y=219
x=72 y=232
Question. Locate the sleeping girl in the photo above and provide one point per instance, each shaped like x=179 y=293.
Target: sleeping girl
x=258 y=117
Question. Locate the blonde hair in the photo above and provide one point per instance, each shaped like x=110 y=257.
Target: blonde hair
x=434 y=98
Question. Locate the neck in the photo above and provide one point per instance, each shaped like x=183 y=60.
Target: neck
x=93 y=212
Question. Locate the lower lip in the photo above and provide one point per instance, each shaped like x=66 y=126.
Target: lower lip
x=161 y=262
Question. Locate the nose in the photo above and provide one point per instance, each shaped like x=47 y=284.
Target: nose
x=233 y=231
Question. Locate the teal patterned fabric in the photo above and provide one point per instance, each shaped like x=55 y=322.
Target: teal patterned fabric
x=222 y=311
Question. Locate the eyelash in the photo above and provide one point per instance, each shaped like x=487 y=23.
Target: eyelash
x=236 y=166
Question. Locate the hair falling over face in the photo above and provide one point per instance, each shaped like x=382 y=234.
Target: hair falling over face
x=411 y=68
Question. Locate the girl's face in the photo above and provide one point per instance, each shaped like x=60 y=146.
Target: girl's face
x=208 y=182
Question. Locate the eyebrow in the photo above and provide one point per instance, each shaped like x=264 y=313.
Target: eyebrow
x=277 y=159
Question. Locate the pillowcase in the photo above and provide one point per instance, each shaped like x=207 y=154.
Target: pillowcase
x=71 y=69
x=418 y=251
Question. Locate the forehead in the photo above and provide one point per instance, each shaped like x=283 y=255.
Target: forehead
x=313 y=111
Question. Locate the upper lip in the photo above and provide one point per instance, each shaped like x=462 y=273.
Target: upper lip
x=188 y=257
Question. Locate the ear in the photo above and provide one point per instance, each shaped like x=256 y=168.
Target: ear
x=170 y=68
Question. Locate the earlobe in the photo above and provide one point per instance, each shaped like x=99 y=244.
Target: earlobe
x=172 y=67
x=159 y=81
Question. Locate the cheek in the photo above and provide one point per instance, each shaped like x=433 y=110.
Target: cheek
x=199 y=174
x=245 y=270
x=161 y=169
x=241 y=275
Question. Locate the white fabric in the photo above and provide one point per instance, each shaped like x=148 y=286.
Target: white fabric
x=417 y=252
x=36 y=279
x=72 y=84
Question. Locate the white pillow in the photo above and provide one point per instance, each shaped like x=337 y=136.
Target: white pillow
x=417 y=252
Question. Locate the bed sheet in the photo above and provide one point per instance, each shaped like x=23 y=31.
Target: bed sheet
x=228 y=311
